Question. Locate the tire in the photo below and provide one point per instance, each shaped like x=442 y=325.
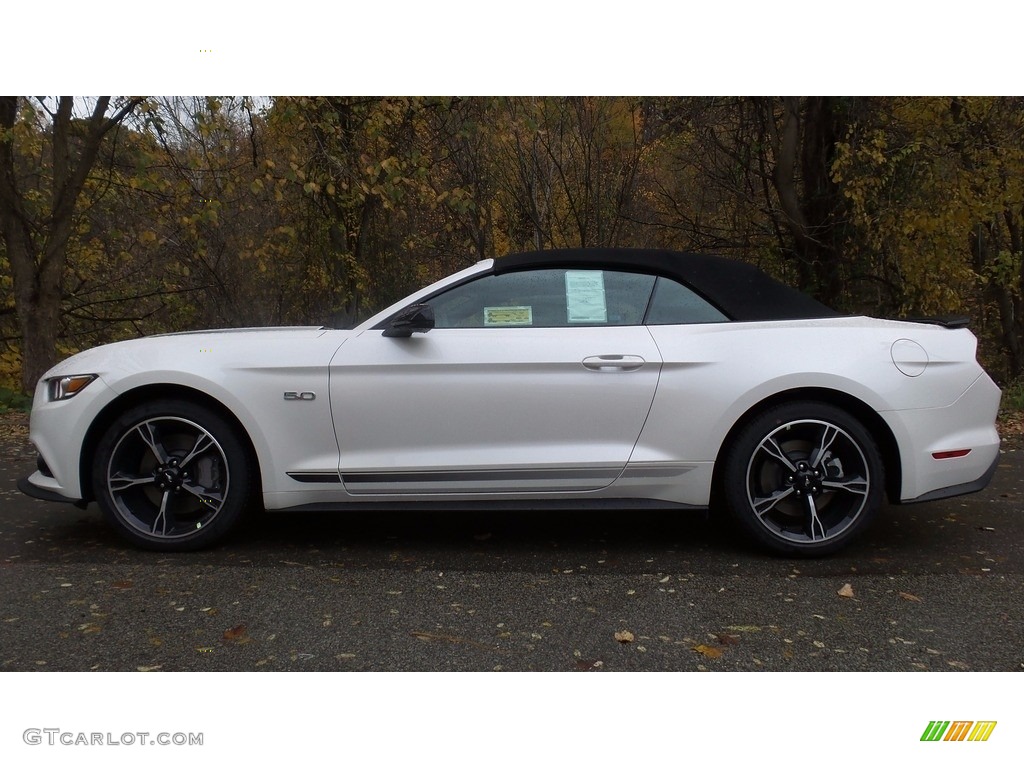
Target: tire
x=172 y=476
x=803 y=479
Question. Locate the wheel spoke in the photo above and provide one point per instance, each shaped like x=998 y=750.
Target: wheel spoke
x=119 y=481
x=815 y=528
x=160 y=521
x=773 y=449
x=855 y=485
x=212 y=498
x=829 y=434
x=203 y=443
x=765 y=504
x=148 y=435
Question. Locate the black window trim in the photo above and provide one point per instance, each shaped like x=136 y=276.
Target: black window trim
x=539 y=267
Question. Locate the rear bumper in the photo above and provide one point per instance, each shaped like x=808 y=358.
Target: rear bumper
x=926 y=434
x=959 y=489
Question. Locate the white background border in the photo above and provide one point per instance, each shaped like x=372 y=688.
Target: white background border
x=538 y=47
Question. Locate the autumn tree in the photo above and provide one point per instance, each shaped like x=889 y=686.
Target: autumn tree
x=802 y=133
x=231 y=237
x=566 y=169
x=707 y=185
x=753 y=176
x=936 y=187
x=178 y=213
x=358 y=164
x=43 y=169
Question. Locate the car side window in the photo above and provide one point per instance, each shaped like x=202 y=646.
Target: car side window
x=546 y=298
x=675 y=304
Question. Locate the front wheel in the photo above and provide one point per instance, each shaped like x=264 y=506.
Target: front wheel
x=171 y=475
x=803 y=478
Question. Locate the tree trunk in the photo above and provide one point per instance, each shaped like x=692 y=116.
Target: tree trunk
x=1011 y=303
x=36 y=292
x=806 y=141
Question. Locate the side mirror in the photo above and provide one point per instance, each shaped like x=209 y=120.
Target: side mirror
x=419 y=318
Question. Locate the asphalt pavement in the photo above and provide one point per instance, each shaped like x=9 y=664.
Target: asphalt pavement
x=934 y=587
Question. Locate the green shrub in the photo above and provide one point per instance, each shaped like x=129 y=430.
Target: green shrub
x=1013 y=397
x=12 y=400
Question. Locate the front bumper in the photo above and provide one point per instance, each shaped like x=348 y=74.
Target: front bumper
x=28 y=486
x=57 y=430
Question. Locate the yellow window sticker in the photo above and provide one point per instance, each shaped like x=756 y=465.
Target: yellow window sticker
x=508 y=316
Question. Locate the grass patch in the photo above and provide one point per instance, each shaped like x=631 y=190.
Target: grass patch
x=12 y=400
x=1013 y=397
x=1011 y=415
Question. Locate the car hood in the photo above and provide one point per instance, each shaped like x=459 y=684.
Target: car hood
x=206 y=350
x=302 y=331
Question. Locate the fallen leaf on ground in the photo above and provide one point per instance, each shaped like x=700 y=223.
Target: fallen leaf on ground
x=846 y=591
x=908 y=596
x=625 y=636
x=123 y=584
x=236 y=633
x=724 y=639
x=150 y=669
x=708 y=650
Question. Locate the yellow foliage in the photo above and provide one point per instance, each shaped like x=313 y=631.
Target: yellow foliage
x=921 y=182
x=10 y=368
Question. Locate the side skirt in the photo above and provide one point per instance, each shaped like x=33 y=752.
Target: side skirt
x=538 y=505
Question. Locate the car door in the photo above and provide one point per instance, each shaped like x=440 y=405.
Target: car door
x=530 y=382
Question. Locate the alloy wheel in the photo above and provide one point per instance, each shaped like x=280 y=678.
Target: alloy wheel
x=167 y=477
x=807 y=482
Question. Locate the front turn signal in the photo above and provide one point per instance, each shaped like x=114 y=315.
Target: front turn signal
x=65 y=387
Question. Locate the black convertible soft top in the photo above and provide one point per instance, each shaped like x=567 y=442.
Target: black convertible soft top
x=742 y=291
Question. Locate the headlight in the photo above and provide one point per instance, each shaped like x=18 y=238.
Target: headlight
x=65 y=387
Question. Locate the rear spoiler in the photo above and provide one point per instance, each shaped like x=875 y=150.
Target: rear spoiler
x=949 y=321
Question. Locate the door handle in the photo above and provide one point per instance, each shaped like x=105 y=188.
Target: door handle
x=613 y=363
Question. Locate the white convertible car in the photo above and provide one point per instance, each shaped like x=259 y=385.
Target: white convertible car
x=620 y=379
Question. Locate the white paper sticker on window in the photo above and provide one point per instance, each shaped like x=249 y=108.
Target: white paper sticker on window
x=584 y=296
x=506 y=316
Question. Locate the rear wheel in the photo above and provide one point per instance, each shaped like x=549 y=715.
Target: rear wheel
x=803 y=478
x=172 y=476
